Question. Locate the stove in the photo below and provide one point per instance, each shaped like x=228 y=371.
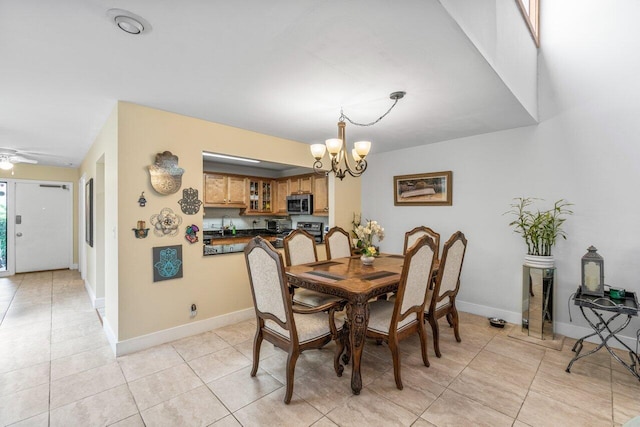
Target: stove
x=313 y=228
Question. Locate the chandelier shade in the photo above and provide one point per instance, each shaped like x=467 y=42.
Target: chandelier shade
x=337 y=148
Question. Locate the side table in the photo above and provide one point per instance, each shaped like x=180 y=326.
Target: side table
x=599 y=307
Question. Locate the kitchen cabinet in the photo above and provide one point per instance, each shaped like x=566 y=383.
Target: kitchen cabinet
x=227 y=191
x=302 y=184
x=282 y=191
x=260 y=196
x=321 y=195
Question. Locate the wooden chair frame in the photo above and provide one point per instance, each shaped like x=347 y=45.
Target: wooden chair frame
x=394 y=336
x=449 y=310
x=292 y=346
x=327 y=239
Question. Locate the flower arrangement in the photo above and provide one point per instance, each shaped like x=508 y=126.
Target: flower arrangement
x=366 y=233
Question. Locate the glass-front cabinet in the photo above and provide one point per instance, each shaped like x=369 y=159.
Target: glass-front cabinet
x=260 y=193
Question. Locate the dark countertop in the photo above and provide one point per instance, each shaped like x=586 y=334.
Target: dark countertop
x=225 y=242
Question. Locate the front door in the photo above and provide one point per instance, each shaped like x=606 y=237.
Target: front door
x=43 y=226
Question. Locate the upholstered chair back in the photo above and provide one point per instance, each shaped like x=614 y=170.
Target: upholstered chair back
x=451 y=265
x=338 y=243
x=266 y=276
x=417 y=275
x=411 y=237
x=300 y=248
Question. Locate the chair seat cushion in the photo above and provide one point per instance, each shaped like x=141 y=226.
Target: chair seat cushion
x=310 y=298
x=380 y=313
x=310 y=326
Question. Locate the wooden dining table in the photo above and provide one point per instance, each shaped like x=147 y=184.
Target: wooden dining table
x=349 y=279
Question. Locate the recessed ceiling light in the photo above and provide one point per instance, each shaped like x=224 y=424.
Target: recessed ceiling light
x=129 y=22
x=222 y=156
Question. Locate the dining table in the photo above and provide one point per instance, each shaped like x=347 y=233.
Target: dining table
x=348 y=278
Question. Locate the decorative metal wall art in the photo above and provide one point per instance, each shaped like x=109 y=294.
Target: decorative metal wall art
x=167 y=262
x=141 y=232
x=191 y=234
x=166 y=176
x=142 y=201
x=166 y=223
x=189 y=203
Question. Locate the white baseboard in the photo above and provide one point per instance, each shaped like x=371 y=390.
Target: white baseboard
x=95 y=302
x=567 y=329
x=111 y=336
x=167 y=335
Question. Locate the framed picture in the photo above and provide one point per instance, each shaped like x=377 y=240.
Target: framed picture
x=88 y=212
x=167 y=262
x=424 y=189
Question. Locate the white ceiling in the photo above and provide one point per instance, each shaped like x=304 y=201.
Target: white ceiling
x=283 y=68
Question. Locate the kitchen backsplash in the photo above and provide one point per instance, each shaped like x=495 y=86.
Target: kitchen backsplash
x=213 y=219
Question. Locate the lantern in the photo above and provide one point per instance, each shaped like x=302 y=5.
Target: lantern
x=592 y=273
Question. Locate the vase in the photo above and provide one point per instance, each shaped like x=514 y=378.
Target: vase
x=539 y=261
x=367 y=260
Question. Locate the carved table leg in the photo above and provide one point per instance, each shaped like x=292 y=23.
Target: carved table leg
x=358 y=314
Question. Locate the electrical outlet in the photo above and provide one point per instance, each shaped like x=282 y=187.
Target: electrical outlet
x=194 y=310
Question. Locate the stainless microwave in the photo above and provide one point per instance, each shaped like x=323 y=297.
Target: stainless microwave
x=300 y=204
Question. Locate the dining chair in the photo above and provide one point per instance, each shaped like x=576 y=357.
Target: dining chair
x=291 y=328
x=393 y=321
x=338 y=243
x=412 y=236
x=445 y=290
x=300 y=248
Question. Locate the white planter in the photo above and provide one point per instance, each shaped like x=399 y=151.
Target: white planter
x=538 y=261
x=367 y=260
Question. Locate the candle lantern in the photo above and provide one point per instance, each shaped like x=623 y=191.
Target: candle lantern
x=592 y=273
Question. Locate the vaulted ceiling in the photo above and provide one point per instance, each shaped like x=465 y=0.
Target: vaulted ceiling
x=283 y=68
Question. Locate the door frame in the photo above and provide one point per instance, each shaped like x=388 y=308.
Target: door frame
x=11 y=220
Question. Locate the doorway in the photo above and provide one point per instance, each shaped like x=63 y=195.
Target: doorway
x=43 y=226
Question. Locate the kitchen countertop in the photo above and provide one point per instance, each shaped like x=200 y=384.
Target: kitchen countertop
x=224 y=241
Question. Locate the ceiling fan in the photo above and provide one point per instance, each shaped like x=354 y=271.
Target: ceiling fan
x=9 y=157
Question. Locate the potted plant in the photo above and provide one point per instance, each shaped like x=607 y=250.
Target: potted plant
x=365 y=234
x=540 y=229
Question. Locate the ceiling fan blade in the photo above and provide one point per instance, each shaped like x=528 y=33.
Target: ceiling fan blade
x=20 y=159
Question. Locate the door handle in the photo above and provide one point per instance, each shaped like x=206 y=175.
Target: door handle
x=19 y=234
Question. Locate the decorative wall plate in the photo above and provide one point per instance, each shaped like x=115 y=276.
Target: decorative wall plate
x=166 y=223
x=189 y=203
x=166 y=176
x=191 y=234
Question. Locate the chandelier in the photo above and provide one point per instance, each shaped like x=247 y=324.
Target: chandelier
x=337 y=147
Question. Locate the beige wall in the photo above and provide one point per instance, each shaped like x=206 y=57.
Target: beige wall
x=50 y=173
x=217 y=284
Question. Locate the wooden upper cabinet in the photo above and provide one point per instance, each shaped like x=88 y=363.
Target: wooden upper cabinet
x=301 y=184
x=282 y=191
x=320 y=195
x=237 y=190
x=224 y=190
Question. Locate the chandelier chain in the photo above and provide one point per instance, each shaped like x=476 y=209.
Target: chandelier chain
x=343 y=116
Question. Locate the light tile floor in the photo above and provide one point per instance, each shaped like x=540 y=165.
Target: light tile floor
x=56 y=369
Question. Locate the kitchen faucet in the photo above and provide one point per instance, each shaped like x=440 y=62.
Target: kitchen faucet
x=222 y=225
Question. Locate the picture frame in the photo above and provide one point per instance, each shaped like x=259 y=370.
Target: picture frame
x=88 y=212
x=424 y=189
x=167 y=262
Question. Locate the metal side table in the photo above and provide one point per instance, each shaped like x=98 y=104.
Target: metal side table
x=599 y=306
